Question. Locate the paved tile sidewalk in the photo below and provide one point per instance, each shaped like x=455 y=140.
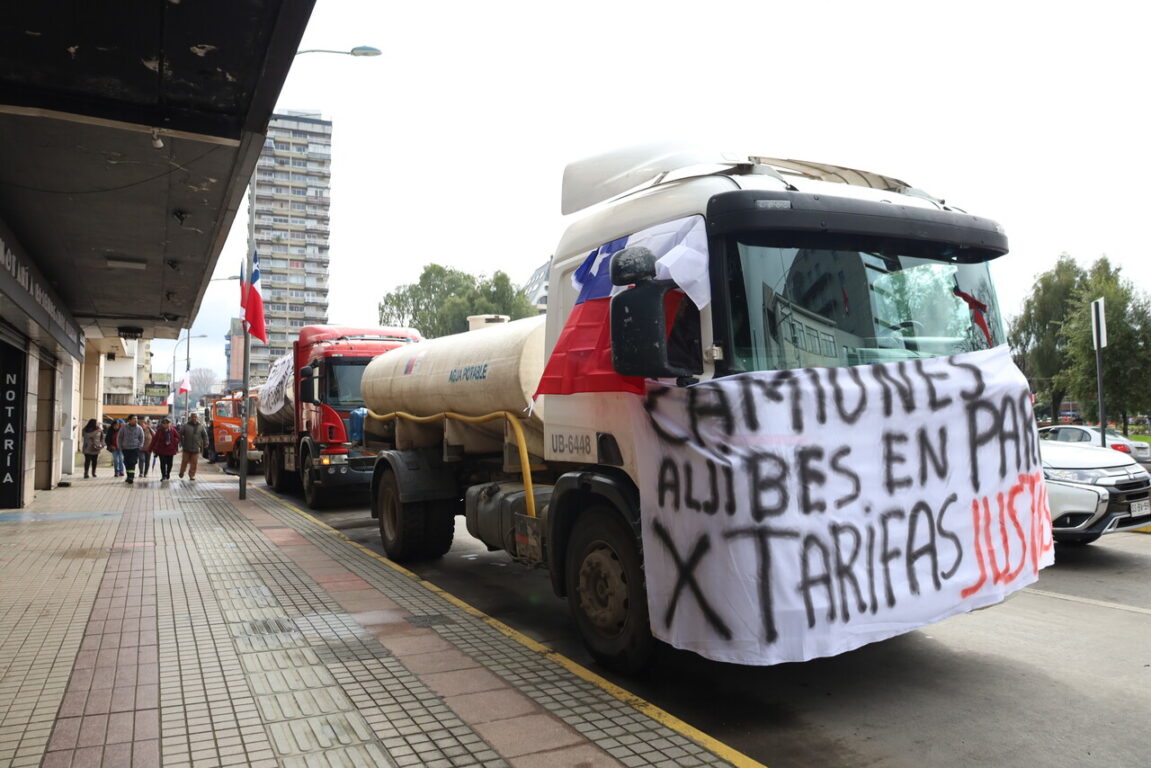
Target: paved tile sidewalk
x=172 y=624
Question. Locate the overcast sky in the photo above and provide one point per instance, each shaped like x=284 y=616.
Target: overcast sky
x=450 y=147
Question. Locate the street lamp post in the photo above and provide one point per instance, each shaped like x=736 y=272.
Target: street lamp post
x=188 y=360
x=359 y=50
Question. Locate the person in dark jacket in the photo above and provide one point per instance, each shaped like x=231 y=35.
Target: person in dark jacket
x=131 y=440
x=192 y=438
x=165 y=444
x=91 y=443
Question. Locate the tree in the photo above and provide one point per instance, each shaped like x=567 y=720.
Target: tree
x=440 y=303
x=1038 y=337
x=202 y=381
x=1128 y=352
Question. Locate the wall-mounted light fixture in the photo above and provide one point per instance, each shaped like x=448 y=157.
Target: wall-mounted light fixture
x=119 y=262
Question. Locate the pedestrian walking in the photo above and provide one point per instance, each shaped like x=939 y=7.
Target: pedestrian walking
x=146 y=448
x=91 y=443
x=112 y=440
x=193 y=437
x=131 y=440
x=165 y=444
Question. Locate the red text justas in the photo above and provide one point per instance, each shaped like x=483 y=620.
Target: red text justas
x=1012 y=533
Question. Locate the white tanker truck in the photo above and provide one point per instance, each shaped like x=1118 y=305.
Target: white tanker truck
x=754 y=422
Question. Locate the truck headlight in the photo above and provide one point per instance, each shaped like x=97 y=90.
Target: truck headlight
x=1089 y=476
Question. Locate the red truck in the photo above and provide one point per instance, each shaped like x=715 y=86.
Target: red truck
x=305 y=410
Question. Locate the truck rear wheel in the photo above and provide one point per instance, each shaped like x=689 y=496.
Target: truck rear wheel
x=440 y=528
x=274 y=474
x=606 y=591
x=412 y=530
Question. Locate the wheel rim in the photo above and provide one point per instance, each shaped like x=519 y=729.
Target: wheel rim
x=603 y=590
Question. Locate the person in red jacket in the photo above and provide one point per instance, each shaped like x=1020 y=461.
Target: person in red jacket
x=165 y=444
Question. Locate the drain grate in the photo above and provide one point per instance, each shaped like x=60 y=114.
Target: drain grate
x=429 y=620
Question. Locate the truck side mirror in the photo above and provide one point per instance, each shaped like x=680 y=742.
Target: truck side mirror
x=639 y=322
x=632 y=265
x=307 y=385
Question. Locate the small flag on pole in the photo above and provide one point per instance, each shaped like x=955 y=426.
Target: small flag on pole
x=243 y=284
x=253 y=303
x=185 y=383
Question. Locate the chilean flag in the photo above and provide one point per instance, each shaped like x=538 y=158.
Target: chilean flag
x=581 y=360
x=978 y=312
x=253 y=303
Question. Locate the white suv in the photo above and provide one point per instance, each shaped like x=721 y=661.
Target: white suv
x=1093 y=491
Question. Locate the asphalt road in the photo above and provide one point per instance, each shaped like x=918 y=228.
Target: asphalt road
x=1059 y=675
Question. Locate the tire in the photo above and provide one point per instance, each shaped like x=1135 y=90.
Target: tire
x=401 y=525
x=274 y=471
x=412 y=530
x=314 y=495
x=606 y=591
x=233 y=460
x=440 y=528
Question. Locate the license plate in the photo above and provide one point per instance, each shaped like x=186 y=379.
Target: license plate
x=1141 y=508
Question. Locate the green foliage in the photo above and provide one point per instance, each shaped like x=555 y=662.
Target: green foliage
x=440 y=303
x=1038 y=337
x=1126 y=388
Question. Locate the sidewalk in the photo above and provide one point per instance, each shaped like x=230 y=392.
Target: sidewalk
x=172 y=624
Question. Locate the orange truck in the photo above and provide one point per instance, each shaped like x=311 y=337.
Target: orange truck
x=225 y=424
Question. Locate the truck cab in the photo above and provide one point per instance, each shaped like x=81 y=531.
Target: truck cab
x=224 y=424
x=757 y=377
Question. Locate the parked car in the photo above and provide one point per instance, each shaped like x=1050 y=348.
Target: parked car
x=1068 y=433
x=1093 y=491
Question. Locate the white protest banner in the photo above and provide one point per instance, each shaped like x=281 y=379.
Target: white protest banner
x=803 y=513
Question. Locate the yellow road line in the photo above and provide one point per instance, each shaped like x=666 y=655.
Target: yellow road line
x=661 y=716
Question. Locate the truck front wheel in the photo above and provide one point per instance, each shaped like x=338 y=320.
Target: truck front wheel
x=314 y=495
x=606 y=591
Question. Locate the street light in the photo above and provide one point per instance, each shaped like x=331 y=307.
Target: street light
x=188 y=350
x=359 y=50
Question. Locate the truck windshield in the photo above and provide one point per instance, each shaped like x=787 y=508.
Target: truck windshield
x=344 y=382
x=799 y=307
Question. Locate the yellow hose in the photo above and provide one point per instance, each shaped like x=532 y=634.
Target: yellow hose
x=511 y=418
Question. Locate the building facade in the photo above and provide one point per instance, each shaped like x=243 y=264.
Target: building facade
x=291 y=202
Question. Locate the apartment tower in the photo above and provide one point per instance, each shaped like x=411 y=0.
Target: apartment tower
x=291 y=204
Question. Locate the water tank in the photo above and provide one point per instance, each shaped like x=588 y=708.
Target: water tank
x=276 y=409
x=474 y=373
